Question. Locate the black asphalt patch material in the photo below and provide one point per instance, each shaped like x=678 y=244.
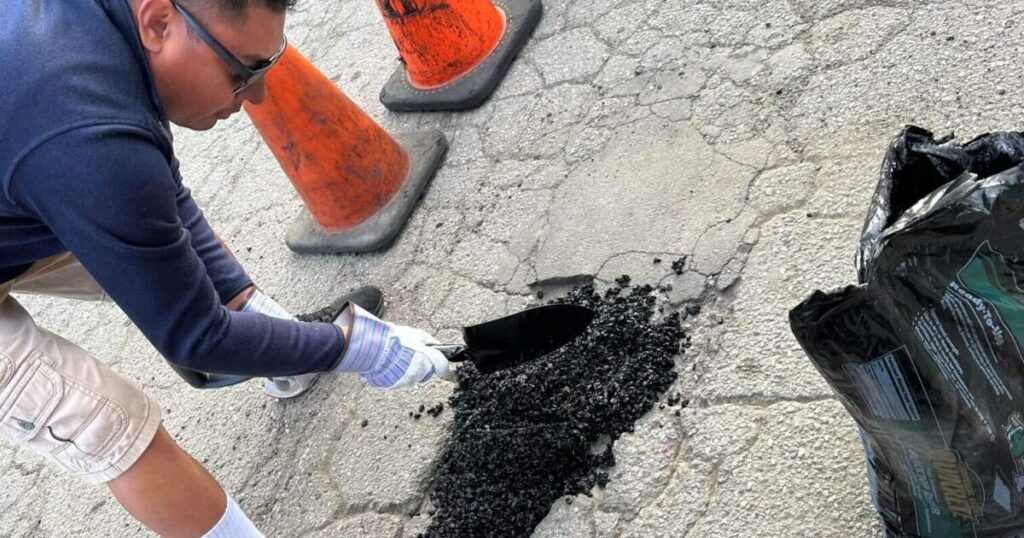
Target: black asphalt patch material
x=526 y=436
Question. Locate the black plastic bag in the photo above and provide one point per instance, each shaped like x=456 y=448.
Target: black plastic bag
x=926 y=352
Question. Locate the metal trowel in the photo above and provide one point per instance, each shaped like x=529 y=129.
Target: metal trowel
x=523 y=336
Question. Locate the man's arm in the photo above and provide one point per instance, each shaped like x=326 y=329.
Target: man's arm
x=111 y=199
x=229 y=279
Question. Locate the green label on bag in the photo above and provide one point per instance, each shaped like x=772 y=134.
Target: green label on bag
x=989 y=276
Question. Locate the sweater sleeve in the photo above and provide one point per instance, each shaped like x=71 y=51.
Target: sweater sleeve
x=227 y=275
x=110 y=196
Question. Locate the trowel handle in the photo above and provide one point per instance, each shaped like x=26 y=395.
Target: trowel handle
x=451 y=352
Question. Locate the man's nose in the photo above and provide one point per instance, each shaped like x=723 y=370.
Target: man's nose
x=256 y=93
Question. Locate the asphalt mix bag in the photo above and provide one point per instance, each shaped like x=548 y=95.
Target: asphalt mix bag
x=926 y=351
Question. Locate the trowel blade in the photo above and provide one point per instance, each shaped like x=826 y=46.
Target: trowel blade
x=524 y=335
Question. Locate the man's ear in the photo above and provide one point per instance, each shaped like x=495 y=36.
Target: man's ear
x=153 y=18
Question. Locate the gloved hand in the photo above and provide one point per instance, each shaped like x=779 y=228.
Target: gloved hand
x=387 y=355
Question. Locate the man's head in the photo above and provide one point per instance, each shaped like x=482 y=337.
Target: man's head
x=198 y=84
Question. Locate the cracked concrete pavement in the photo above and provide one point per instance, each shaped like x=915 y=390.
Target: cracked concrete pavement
x=744 y=135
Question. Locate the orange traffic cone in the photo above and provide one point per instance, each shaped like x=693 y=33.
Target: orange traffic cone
x=358 y=183
x=454 y=52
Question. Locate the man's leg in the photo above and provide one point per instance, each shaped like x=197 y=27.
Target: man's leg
x=169 y=491
x=64 y=404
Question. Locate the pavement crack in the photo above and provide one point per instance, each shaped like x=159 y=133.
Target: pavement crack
x=715 y=476
x=644 y=252
x=678 y=449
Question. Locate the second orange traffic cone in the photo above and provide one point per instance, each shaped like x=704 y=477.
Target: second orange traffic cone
x=358 y=183
x=454 y=52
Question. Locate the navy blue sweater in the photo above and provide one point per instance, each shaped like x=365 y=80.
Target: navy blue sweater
x=87 y=166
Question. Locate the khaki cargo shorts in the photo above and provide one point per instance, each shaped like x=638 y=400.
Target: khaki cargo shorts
x=58 y=400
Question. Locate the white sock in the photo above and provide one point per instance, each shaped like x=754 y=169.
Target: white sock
x=233 y=524
x=261 y=304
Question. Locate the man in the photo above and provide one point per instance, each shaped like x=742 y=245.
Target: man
x=92 y=206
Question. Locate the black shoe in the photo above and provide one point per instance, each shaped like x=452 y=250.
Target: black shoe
x=369 y=298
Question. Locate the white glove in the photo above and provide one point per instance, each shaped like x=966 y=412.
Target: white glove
x=389 y=356
x=279 y=387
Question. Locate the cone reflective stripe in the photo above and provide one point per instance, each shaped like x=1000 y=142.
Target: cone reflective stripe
x=358 y=183
x=454 y=52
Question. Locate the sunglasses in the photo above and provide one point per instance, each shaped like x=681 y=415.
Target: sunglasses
x=249 y=74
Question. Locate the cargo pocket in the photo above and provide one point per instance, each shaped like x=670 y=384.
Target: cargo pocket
x=29 y=399
x=60 y=418
x=87 y=427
